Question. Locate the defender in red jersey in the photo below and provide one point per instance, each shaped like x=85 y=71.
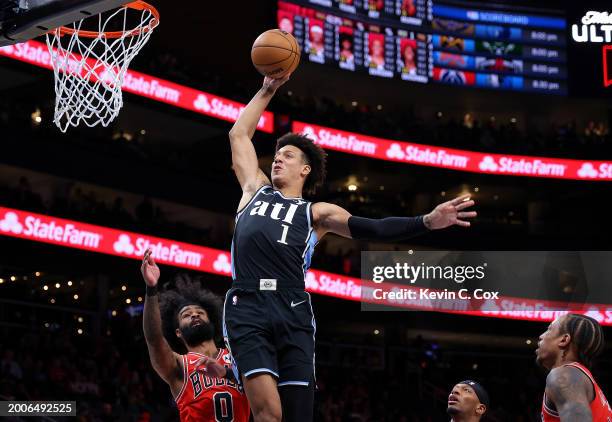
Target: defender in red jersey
x=180 y=330
x=567 y=348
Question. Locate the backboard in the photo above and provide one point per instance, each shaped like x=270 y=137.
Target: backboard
x=22 y=20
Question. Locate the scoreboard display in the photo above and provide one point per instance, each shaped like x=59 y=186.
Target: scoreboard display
x=427 y=41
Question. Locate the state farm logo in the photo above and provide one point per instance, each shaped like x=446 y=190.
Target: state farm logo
x=124 y=245
x=163 y=252
x=224 y=109
x=201 y=103
x=341 y=141
x=587 y=171
x=395 y=152
x=222 y=264
x=10 y=223
x=488 y=164
x=49 y=230
x=309 y=132
x=490 y=307
x=311 y=281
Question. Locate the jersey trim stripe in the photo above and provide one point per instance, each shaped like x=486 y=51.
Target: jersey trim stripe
x=182 y=390
x=303 y=383
x=287 y=198
x=235 y=369
x=238 y=214
x=309 y=248
x=257 y=192
x=573 y=365
x=314 y=340
x=232 y=257
x=258 y=370
x=548 y=410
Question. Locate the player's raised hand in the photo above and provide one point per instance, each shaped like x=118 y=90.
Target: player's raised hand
x=272 y=84
x=450 y=213
x=211 y=367
x=149 y=269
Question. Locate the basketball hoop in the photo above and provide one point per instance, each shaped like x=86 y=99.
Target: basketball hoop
x=90 y=65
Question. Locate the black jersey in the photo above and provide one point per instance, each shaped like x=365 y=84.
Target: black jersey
x=274 y=238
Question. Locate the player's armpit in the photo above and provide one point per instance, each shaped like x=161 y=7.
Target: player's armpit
x=568 y=388
x=330 y=218
x=249 y=190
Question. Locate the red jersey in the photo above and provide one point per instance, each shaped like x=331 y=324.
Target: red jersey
x=206 y=399
x=600 y=408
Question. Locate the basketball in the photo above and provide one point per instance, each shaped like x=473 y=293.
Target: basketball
x=275 y=53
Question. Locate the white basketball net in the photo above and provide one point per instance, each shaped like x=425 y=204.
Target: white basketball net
x=89 y=72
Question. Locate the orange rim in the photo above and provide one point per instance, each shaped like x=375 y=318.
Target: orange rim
x=136 y=5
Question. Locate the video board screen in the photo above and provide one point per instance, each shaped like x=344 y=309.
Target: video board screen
x=427 y=42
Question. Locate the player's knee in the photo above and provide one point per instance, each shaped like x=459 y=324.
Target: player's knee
x=267 y=411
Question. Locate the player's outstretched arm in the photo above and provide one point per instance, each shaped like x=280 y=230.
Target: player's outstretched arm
x=335 y=219
x=244 y=158
x=165 y=362
x=568 y=388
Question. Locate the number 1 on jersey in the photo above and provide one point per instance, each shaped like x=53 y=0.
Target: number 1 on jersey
x=283 y=238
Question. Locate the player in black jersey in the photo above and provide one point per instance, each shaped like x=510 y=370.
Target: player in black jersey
x=269 y=325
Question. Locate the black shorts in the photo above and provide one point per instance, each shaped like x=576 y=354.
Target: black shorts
x=271 y=331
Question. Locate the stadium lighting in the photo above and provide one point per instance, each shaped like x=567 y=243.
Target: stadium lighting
x=45 y=287
x=57 y=285
x=36 y=117
x=69 y=283
x=37 y=273
x=13 y=278
x=128 y=300
x=76 y=297
x=124 y=288
x=352 y=188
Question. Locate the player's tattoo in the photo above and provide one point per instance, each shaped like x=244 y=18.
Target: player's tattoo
x=568 y=389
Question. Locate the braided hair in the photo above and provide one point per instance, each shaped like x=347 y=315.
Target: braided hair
x=586 y=334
